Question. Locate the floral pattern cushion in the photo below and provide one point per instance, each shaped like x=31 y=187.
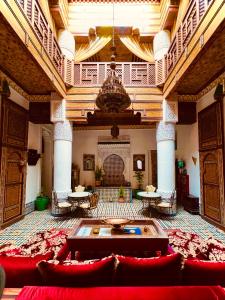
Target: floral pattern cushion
x=190 y=245
x=40 y=243
x=216 y=250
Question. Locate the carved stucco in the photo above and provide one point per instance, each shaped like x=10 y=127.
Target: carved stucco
x=170 y=111
x=123 y=150
x=58 y=111
x=63 y=131
x=165 y=131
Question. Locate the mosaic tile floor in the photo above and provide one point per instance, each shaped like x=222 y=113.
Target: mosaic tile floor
x=19 y=232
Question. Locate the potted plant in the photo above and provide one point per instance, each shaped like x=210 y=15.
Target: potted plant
x=41 y=202
x=98 y=175
x=121 y=194
x=139 y=175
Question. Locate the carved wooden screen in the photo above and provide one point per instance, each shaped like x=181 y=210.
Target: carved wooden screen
x=13 y=161
x=113 y=168
x=211 y=162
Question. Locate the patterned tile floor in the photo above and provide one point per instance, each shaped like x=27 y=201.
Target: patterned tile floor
x=19 y=232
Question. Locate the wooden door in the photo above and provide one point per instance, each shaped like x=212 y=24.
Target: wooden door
x=211 y=162
x=13 y=161
x=211 y=178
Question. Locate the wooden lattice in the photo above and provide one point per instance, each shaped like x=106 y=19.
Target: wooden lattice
x=131 y=74
x=34 y=13
x=195 y=12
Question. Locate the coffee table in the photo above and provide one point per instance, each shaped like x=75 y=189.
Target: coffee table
x=138 y=236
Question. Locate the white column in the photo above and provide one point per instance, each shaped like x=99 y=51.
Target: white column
x=62 y=158
x=165 y=136
x=161 y=44
x=67 y=43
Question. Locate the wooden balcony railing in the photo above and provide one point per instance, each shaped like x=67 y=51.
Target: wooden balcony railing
x=192 y=18
x=34 y=14
x=131 y=74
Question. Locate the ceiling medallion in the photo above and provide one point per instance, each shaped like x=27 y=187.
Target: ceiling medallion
x=112 y=96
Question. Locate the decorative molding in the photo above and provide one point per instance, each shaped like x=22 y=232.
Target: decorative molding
x=165 y=131
x=63 y=131
x=18 y=89
x=170 y=111
x=214 y=83
x=58 y=110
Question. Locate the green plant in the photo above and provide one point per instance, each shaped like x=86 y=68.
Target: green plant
x=121 y=191
x=139 y=175
x=98 y=173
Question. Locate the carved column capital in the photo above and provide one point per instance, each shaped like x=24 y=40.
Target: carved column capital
x=63 y=131
x=170 y=111
x=58 y=108
x=165 y=132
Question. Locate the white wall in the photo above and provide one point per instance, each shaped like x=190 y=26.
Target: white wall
x=187 y=147
x=85 y=142
x=33 y=181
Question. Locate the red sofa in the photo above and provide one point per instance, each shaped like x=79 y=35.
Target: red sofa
x=125 y=293
x=115 y=277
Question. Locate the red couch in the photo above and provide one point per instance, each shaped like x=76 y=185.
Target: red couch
x=125 y=293
x=116 y=277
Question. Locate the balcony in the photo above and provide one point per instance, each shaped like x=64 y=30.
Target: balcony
x=130 y=74
x=195 y=12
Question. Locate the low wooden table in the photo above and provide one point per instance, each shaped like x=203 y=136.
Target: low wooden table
x=149 y=238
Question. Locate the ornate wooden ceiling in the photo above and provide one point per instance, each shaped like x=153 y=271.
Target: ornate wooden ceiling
x=208 y=65
x=19 y=64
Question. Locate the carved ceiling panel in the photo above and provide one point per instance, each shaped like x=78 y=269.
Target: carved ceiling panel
x=208 y=65
x=18 y=64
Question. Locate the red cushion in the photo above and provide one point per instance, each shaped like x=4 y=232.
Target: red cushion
x=164 y=270
x=97 y=273
x=126 y=293
x=22 y=271
x=197 y=272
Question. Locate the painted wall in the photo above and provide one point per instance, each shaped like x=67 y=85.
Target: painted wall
x=85 y=142
x=33 y=181
x=187 y=145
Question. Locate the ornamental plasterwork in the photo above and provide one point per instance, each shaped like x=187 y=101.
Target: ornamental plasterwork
x=58 y=110
x=123 y=150
x=63 y=131
x=165 y=131
x=170 y=111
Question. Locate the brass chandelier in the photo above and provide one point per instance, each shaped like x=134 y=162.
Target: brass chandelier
x=112 y=96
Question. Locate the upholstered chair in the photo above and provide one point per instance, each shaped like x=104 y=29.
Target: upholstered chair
x=79 y=188
x=150 y=188
x=59 y=208
x=91 y=204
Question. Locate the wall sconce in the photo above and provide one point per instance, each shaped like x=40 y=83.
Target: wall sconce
x=33 y=157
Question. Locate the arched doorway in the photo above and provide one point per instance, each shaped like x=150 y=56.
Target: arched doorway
x=113 y=167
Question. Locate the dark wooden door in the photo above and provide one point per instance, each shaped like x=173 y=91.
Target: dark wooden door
x=211 y=162
x=13 y=161
x=212 y=173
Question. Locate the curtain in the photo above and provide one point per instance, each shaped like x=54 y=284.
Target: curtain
x=87 y=50
x=141 y=50
x=181 y=12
